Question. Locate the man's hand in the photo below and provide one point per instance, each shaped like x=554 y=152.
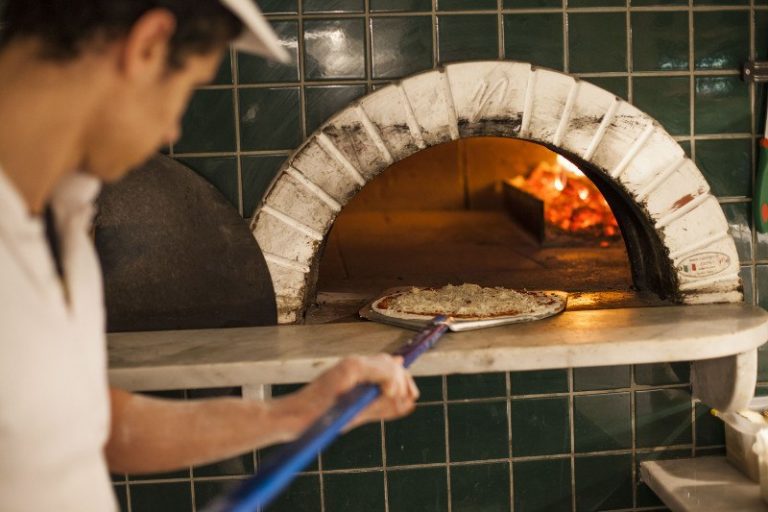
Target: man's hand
x=398 y=392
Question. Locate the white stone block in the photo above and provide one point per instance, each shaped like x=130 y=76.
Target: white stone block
x=625 y=130
x=704 y=224
x=590 y=108
x=658 y=155
x=489 y=97
x=359 y=141
x=550 y=95
x=388 y=111
x=295 y=200
x=430 y=100
x=679 y=190
x=325 y=171
x=290 y=288
x=280 y=239
x=710 y=267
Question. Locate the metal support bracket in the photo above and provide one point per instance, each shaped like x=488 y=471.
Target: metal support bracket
x=755 y=71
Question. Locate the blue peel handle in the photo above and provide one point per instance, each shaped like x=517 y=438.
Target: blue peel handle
x=279 y=469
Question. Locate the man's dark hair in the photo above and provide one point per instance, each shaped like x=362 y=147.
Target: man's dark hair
x=67 y=27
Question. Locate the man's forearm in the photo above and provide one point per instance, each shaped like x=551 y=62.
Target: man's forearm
x=150 y=434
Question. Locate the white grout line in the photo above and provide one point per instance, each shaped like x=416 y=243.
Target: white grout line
x=572 y=435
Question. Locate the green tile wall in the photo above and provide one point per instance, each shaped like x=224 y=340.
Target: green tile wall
x=527 y=441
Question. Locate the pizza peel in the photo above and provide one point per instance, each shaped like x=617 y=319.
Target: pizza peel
x=457 y=324
x=279 y=469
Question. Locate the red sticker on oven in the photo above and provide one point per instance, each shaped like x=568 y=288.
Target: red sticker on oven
x=704 y=264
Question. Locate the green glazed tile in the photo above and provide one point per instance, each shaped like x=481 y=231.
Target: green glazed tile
x=721 y=2
x=303 y=495
x=207 y=491
x=617 y=85
x=601 y=377
x=761 y=390
x=762 y=363
x=746 y=279
x=334 y=49
x=253 y=70
x=257 y=173
x=644 y=3
x=727 y=166
x=480 y=385
x=358 y=448
x=739 y=217
x=265 y=454
x=722 y=105
x=324 y=101
x=219 y=171
x=761 y=34
x=166 y=497
x=542 y=485
x=224 y=74
x=602 y=422
x=234 y=391
x=241 y=465
x=711 y=451
x=686 y=145
x=660 y=41
x=466 y=5
x=667 y=99
x=598 y=42
x=539 y=382
x=207 y=125
x=478 y=431
x=121 y=493
x=285 y=389
x=279 y=6
x=418 y=490
x=662 y=373
x=603 y=482
x=710 y=430
x=480 y=488
x=529 y=4
x=468 y=37
x=334 y=6
x=534 y=38
x=401 y=46
x=645 y=496
x=540 y=427
x=353 y=492
x=430 y=388
x=400 y=5
x=663 y=417
x=269 y=118
x=170 y=394
x=597 y=3
x=721 y=39
x=418 y=438
x=761 y=275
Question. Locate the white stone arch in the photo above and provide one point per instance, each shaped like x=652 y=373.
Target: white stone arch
x=626 y=147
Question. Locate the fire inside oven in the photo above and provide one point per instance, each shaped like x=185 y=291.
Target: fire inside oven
x=495 y=212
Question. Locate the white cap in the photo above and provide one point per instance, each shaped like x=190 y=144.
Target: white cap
x=258 y=36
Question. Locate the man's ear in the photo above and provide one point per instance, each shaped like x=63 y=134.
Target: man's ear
x=145 y=49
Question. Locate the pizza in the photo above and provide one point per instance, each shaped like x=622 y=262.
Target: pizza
x=469 y=302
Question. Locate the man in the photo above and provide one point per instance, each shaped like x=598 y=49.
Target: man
x=89 y=89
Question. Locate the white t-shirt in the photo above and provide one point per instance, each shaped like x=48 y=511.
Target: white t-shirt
x=54 y=400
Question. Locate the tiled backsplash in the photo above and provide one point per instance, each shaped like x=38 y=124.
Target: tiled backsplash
x=532 y=441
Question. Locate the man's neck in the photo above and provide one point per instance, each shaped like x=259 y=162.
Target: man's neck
x=44 y=108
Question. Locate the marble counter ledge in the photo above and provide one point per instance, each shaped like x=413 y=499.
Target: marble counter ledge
x=297 y=353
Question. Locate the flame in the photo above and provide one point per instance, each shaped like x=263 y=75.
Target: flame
x=568 y=165
x=572 y=203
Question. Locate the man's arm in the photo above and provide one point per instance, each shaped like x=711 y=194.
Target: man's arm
x=150 y=434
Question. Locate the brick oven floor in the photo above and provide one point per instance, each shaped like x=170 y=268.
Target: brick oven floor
x=369 y=252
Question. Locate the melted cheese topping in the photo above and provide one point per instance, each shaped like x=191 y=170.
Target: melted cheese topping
x=464 y=300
